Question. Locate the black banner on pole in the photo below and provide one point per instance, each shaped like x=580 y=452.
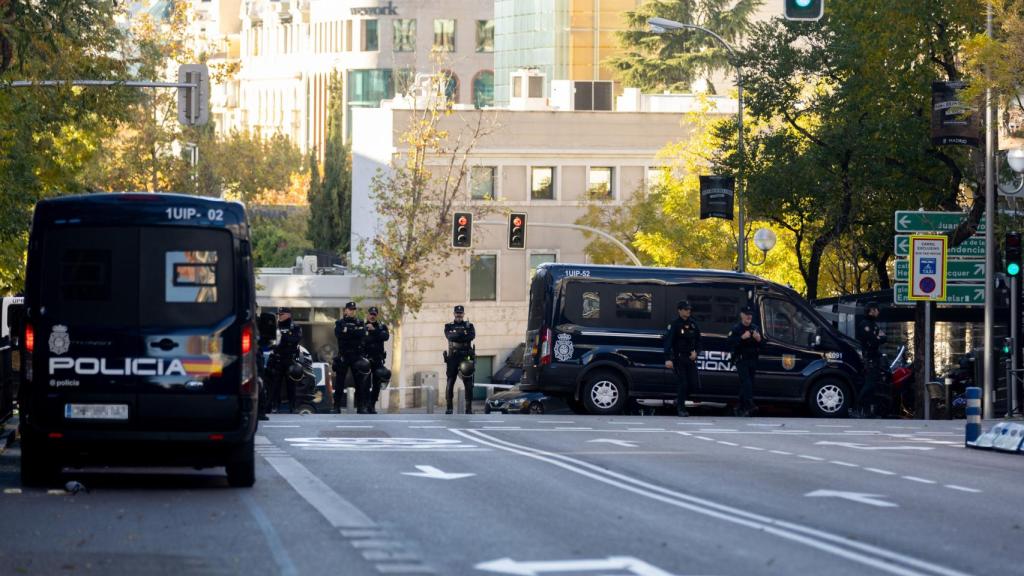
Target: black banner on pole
x=716 y=194
x=953 y=121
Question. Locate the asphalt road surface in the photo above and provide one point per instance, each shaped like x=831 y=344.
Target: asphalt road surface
x=543 y=495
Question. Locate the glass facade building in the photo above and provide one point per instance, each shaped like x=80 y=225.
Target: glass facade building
x=565 y=39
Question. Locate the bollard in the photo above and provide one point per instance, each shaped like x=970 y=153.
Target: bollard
x=350 y=400
x=973 y=427
x=460 y=401
x=394 y=401
x=430 y=399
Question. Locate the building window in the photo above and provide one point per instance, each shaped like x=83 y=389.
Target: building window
x=601 y=183
x=483 y=277
x=656 y=176
x=483 y=89
x=451 y=86
x=366 y=88
x=444 y=35
x=481 y=182
x=404 y=78
x=371 y=39
x=485 y=35
x=405 y=35
x=542 y=183
x=536 y=259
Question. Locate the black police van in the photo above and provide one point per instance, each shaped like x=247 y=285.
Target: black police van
x=597 y=337
x=140 y=312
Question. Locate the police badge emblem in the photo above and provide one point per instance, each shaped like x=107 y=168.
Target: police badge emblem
x=788 y=361
x=60 y=341
x=563 y=348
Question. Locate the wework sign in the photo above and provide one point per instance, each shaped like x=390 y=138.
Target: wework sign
x=388 y=10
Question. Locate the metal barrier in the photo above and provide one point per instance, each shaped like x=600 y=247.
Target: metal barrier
x=433 y=396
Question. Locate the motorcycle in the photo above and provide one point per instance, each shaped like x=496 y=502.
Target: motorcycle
x=894 y=396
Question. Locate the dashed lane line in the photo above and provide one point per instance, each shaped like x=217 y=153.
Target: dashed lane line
x=880 y=471
x=841 y=463
x=808 y=457
x=781 y=452
x=727 y=443
x=754 y=448
x=962 y=488
x=920 y=480
x=705 y=438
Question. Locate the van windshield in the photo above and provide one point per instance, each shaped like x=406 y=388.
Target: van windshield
x=136 y=276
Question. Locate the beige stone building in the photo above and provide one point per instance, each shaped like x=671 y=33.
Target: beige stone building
x=543 y=162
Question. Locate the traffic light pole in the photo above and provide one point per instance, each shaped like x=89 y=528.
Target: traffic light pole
x=990 y=243
x=1011 y=383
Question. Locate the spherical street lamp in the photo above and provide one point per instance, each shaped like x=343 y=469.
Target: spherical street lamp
x=765 y=240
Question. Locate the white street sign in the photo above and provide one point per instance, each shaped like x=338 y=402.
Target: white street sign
x=928 y=268
x=624 y=564
x=856 y=446
x=623 y=443
x=869 y=499
x=431 y=472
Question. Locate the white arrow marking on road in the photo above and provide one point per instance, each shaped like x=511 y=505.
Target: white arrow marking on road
x=624 y=563
x=869 y=499
x=856 y=446
x=623 y=443
x=431 y=472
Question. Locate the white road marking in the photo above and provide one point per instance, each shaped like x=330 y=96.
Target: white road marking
x=869 y=499
x=623 y=443
x=383 y=444
x=916 y=479
x=262 y=441
x=279 y=426
x=714 y=430
x=882 y=559
x=963 y=488
x=880 y=471
x=404 y=569
x=427 y=427
x=645 y=429
x=12 y=490
x=437 y=474
x=556 y=421
x=561 y=428
x=815 y=458
x=618 y=564
x=339 y=512
x=727 y=443
x=841 y=463
x=781 y=452
x=56 y=492
x=832 y=426
x=349 y=426
x=706 y=438
x=754 y=448
x=503 y=428
x=857 y=446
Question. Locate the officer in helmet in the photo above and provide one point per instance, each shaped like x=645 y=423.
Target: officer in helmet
x=376 y=335
x=871 y=338
x=282 y=360
x=350 y=332
x=459 y=357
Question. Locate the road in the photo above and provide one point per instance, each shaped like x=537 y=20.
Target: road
x=561 y=495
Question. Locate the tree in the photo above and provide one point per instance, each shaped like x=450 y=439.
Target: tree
x=47 y=134
x=415 y=199
x=278 y=235
x=330 y=199
x=657 y=62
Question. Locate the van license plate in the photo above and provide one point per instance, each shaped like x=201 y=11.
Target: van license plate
x=96 y=411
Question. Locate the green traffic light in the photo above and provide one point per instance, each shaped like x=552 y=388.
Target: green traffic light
x=1013 y=268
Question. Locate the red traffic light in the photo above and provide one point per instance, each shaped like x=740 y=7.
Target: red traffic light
x=517 y=221
x=463 y=220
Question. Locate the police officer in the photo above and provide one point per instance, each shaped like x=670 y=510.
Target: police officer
x=376 y=335
x=745 y=339
x=267 y=329
x=350 y=332
x=871 y=339
x=682 y=345
x=282 y=358
x=459 y=357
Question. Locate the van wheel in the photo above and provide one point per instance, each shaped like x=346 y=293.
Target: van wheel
x=829 y=398
x=241 y=466
x=36 y=468
x=306 y=409
x=604 y=393
x=536 y=408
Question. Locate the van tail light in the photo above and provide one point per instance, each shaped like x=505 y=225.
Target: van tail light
x=30 y=338
x=545 y=346
x=248 y=362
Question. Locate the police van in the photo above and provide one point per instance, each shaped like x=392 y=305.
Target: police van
x=138 y=336
x=598 y=334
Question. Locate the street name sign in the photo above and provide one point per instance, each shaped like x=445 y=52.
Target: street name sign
x=956 y=295
x=973 y=247
x=956 y=271
x=916 y=222
x=927 y=268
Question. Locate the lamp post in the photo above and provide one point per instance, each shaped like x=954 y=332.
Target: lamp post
x=1015 y=160
x=663 y=25
x=765 y=240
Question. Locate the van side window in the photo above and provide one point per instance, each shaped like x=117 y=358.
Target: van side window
x=638 y=305
x=716 y=310
x=591 y=305
x=787 y=323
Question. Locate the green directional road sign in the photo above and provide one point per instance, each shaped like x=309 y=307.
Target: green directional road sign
x=973 y=247
x=956 y=295
x=956 y=271
x=912 y=222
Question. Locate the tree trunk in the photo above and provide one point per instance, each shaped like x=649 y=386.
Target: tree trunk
x=396 y=360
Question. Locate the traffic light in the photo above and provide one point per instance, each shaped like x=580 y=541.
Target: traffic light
x=810 y=10
x=462 y=230
x=1012 y=253
x=1007 y=345
x=517 y=231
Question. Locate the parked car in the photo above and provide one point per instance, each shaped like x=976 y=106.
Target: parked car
x=516 y=401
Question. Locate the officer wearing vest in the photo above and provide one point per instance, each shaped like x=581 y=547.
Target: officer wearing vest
x=350 y=332
x=376 y=335
x=282 y=358
x=871 y=338
x=745 y=340
x=459 y=357
x=682 y=345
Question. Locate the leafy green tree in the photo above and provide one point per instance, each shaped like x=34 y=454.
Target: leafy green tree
x=279 y=235
x=657 y=62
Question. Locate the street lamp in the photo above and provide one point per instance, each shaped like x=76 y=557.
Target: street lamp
x=1015 y=159
x=765 y=240
x=664 y=25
